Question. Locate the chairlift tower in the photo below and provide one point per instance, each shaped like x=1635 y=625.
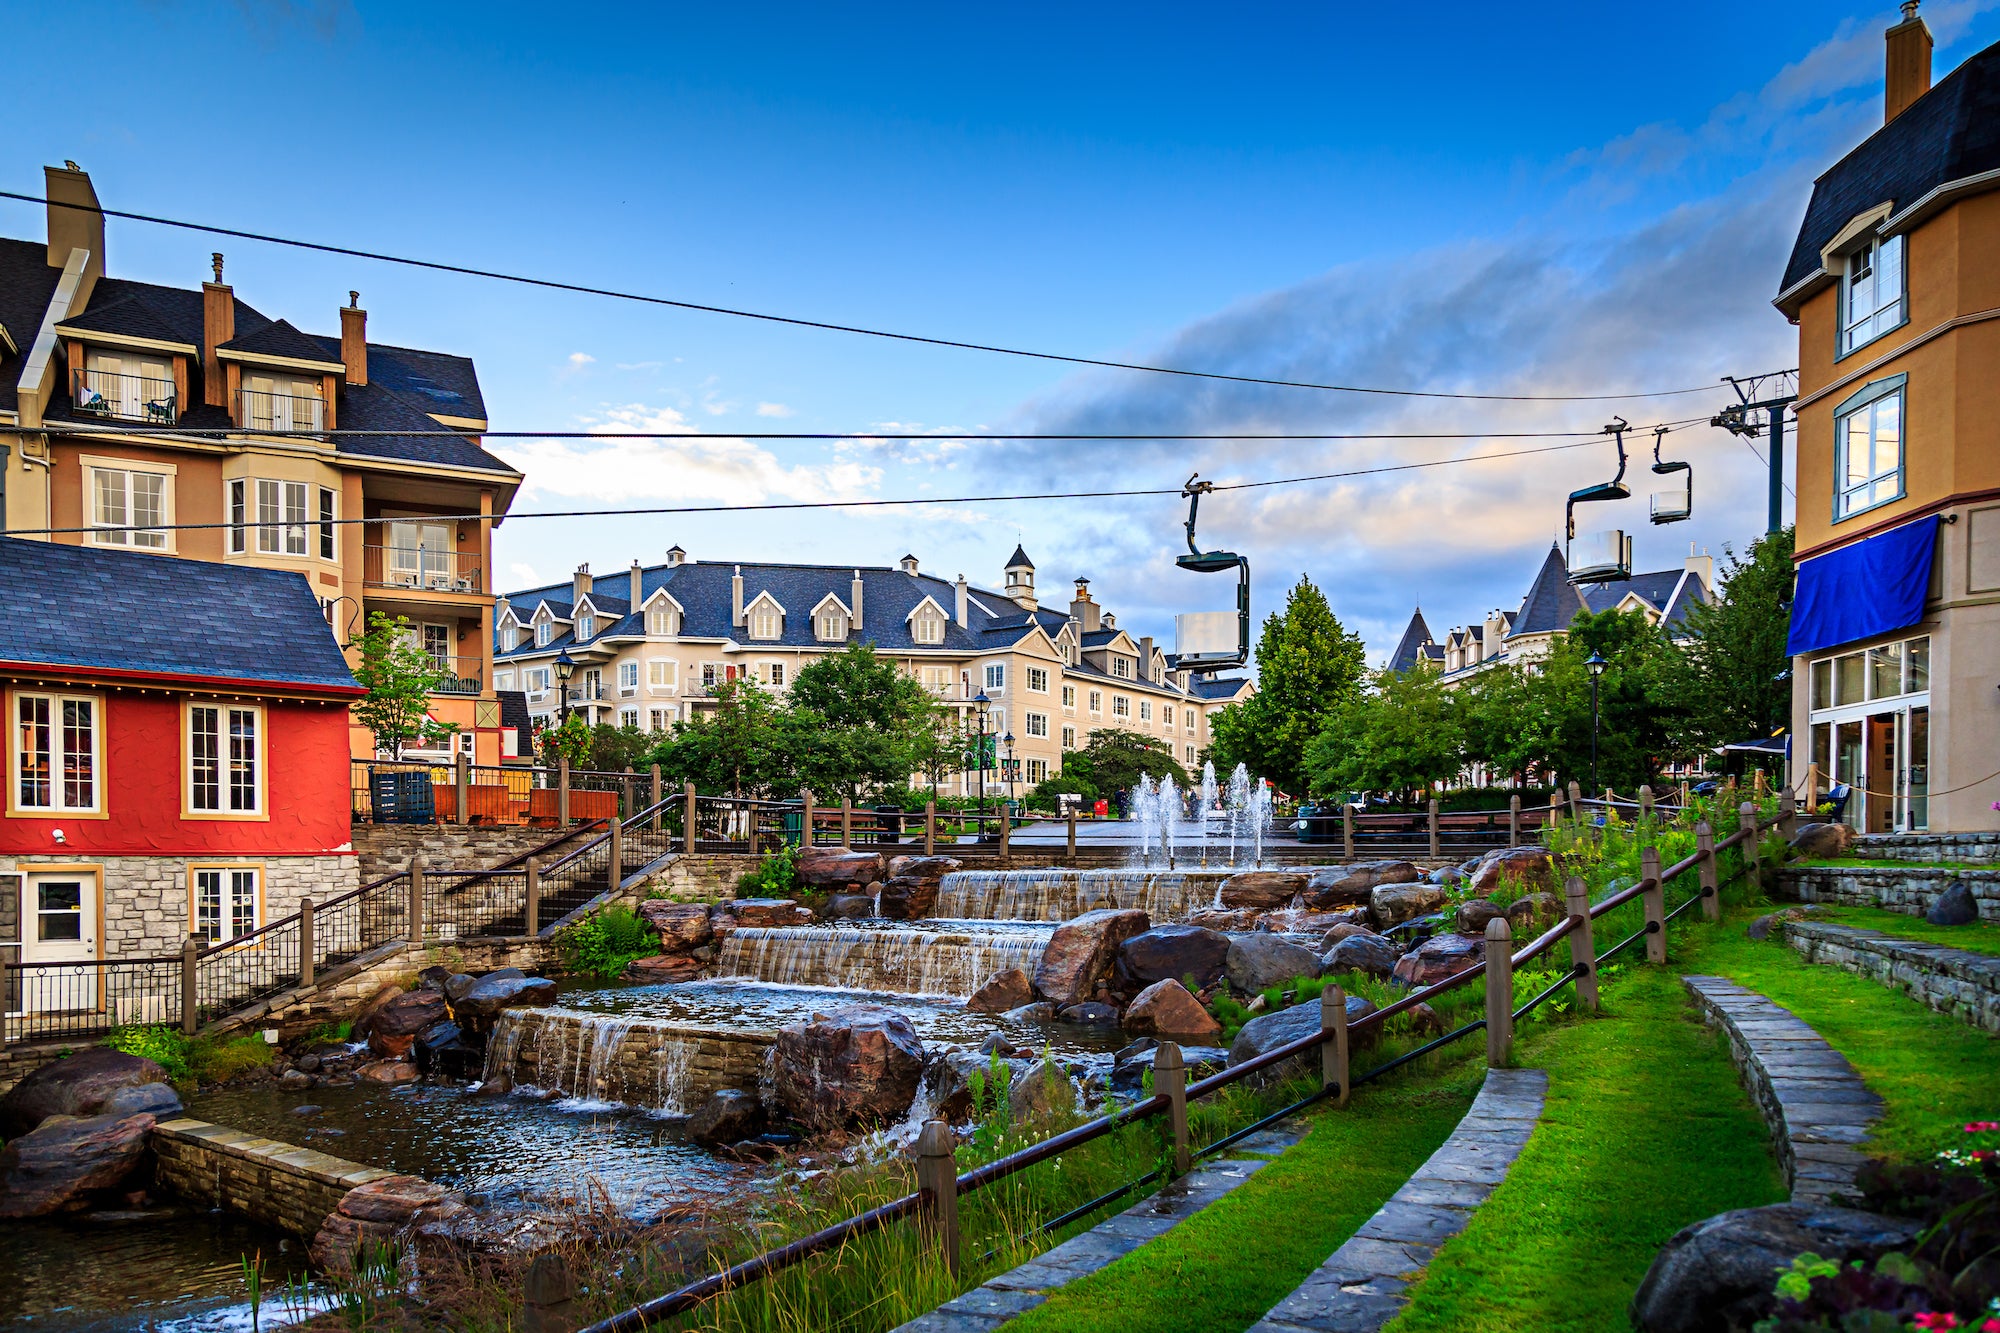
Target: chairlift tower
x=1736 y=420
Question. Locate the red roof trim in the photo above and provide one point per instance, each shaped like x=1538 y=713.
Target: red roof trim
x=114 y=674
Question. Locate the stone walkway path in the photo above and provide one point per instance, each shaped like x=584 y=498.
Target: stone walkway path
x=1817 y=1107
x=1021 y=1289
x=1364 y=1284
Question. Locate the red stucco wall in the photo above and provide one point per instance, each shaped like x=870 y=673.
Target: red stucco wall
x=305 y=755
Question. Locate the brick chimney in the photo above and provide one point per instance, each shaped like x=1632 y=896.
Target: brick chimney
x=218 y=326
x=354 y=339
x=80 y=226
x=1909 y=63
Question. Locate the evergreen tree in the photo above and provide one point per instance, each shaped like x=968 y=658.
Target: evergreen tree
x=1308 y=667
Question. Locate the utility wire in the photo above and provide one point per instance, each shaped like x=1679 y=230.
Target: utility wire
x=797 y=322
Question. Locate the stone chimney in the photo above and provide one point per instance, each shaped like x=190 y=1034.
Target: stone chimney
x=961 y=603
x=1909 y=63
x=218 y=326
x=855 y=591
x=75 y=222
x=354 y=339
x=1082 y=610
x=638 y=574
x=579 y=585
x=676 y=557
x=736 y=596
x=908 y=564
x=1703 y=568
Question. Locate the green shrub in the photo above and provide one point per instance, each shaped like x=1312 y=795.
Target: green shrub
x=220 y=1059
x=164 y=1046
x=604 y=942
x=776 y=876
x=192 y=1061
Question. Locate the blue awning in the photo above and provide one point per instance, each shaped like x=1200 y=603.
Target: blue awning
x=1873 y=587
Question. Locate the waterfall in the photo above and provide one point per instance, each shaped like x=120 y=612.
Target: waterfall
x=1058 y=895
x=899 y=961
x=598 y=1062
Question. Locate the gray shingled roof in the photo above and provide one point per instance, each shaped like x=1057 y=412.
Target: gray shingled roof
x=279 y=338
x=1415 y=636
x=86 y=607
x=1552 y=601
x=128 y=316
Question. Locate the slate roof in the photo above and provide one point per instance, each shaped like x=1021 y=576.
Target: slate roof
x=129 y=316
x=1950 y=133
x=436 y=381
x=279 y=338
x=27 y=284
x=1217 y=687
x=1020 y=557
x=1552 y=601
x=86 y=607
x=1669 y=591
x=1415 y=636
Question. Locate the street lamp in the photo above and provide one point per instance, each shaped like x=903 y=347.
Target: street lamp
x=1012 y=769
x=565 y=667
x=980 y=701
x=1596 y=663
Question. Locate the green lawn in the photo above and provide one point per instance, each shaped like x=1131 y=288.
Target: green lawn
x=1976 y=936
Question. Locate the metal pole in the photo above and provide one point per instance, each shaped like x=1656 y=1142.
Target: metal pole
x=1593 y=731
x=1775 y=517
x=305 y=941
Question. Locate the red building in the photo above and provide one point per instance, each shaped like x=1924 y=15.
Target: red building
x=177 y=751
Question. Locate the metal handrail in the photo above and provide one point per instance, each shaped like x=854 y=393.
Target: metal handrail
x=693 y=1294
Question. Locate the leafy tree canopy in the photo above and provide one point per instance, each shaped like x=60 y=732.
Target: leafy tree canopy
x=1113 y=760
x=1308 y=667
x=1732 y=682
x=399 y=677
x=1407 y=734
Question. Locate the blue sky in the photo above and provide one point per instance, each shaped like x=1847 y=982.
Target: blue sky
x=1576 y=199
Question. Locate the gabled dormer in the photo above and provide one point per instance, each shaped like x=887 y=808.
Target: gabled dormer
x=833 y=620
x=664 y=615
x=589 y=619
x=549 y=623
x=764 y=618
x=279 y=380
x=927 y=620
x=126 y=363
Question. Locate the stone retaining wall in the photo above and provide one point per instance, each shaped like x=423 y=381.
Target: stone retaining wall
x=1973 y=848
x=384 y=849
x=1958 y=982
x=1909 y=889
x=339 y=993
x=662 y=1066
x=278 y=1184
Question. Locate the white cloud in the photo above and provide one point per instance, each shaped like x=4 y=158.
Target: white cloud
x=773 y=410
x=581 y=359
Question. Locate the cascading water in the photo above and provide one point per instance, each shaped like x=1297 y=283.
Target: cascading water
x=597 y=1062
x=1058 y=895
x=908 y=961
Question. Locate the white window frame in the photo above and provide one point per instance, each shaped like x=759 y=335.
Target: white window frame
x=660 y=621
x=1145 y=710
x=1121 y=667
x=628 y=717
x=774 y=675
x=60 y=754
x=545 y=632
x=231 y=883
x=1069 y=738
x=329 y=524
x=1121 y=706
x=1069 y=699
x=1167 y=716
x=239 y=515
x=586 y=626
x=628 y=678
x=123 y=531
x=1874 y=293
x=1869 y=407
x=995 y=676
x=1192 y=717
x=1037 y=724
x=1038 y=771
x=239 y=773
x=1038 y=680
x=282 y=516
x=663 y=674
x=1097 y=703
x=828 y=627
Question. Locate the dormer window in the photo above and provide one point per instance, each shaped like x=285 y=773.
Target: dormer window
x=928 y=628
x=766 y=623
x=660 y=621
x=275 y=403
x=545 y=630
x=831 y=626
x=1121 y=667
x=128 y=387
x=586 y=625
x=1871 y=293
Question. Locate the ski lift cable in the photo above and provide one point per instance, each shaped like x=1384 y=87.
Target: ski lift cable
x=795 y=321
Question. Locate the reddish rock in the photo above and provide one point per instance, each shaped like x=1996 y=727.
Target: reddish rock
x=478 y=1007
x=911 y=890
x=1004 y=990
x=393 y=1027
x=1262 y=888
x=1335 y=934
x=1392 y=904
x=1820 y=842
x=388 y=1071
x=1080 y=953
x=1439 y=957
x=1474 y=913
x=56 y=1167
x=1521 y=867
x=371 y=1217
x=1223 y=918
x=681 y=926
x=1177 y=952
x=836 y=868
x=1342 y=886
x=366 y=1018
x=856 y=1065
x=662 y=969
x=82 y=1084
x=764 y=912
x=1165 y=1009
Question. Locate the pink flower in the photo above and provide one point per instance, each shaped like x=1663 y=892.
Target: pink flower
x=1944 y=1320
x=1990 y=1326
x=1981 y=1126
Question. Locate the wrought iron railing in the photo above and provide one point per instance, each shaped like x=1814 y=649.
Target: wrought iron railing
x=103 y=393
x=279 y=413
x=421 y=568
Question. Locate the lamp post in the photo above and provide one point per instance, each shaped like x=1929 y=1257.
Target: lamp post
x=980 y=702
x=565 y=667
x=1596 y=663
x=1008 y=741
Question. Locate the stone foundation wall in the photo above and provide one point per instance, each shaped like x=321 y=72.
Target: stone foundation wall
x=663 y=1066
x=1911 y=890
x=384 y=849
x=1971 y=848
x=339 y=993
x=274 y=1183
x=1958 y=982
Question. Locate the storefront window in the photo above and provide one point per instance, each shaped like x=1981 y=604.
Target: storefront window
x=1885 y=671
x=1822 y=683
x=1849 y=679
x=1917 y=666
x=1920 y=764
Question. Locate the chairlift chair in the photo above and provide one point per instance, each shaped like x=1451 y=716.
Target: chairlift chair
x=1671 y=506
x=1602 y=557
x=1201 y=637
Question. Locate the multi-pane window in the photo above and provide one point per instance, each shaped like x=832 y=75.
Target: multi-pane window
x=1868 y=448
x=1120 y=706
x=711 y=675
x=1097 y=703
x=1069 y=698
x=1038 y=770
x=55 y=752
x=281 y=517
x=777 y=674
x=1190 y=715
x=1871 y=294
x=1121 y=667
x=225 y=765
x=503 y=680
x=928 y=628
x=766 y=623
x=659 y=718
x=586 y=625
x=225 y=902
x=1886 y=671
x=535 y=681
x=937 y=679
x=545 y=630
x=1145 y=710
x=239 y=516
x=327 y=515
x=996 y=675
x=1038 y=680
x=1069 y=738
x=663 y=673
x=1038 y=724
x=660 y=620
x=628 y=677
x=628 y=717
x=128 y=507
x=1190 y=754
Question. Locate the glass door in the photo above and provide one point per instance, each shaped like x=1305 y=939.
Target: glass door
x=59 y=924
x=1917 y=769
x=1847 y=768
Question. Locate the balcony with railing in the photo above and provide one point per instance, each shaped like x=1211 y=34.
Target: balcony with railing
x=417 y=567
x=463 y=675
x=103 y=393
x=280 y=413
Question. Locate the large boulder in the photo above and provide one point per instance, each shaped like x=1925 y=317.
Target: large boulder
x=681 y=926
x=1820 y=842
x=1719 y=1273
x=1370 y=955
x=1392 y=904
x=1165 y=1009
x=1041 y=1090
x=1536 y=909
x=1190 y=955
x=911 y=890
x=1954 y=907
x=393 y=1028
x=158 y=1100
x=1258 y=961
x=839 y=869
x=1267 y=1032
x=1006 y=989
x=1133 y=1063
x=78 y=1085
x=1224 y=918
x=662 y=969
x=1439 y=957
x=365 y=1020
x=445 y=1050
x=728 y=1116
x=1346 y=886
x=1080 y=953
x=483 y=1003
x=1261 y=888
x=855 y=1065
x=1521 y=867
x=1473 y=914
x=56 y=1167
x=371 y=1217
x=762 y=912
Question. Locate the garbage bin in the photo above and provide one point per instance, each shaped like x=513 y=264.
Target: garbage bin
x=795 y=822
x=890 y=821
x=1319 y=823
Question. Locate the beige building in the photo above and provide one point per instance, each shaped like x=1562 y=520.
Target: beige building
x=650 y=645
x=183 y=422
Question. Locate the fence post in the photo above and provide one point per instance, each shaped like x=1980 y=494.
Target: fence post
x=690 y=814
x=462 y=780
x=1582 y=944
x=305 y=941
x=1170 y=1081
x=1757 y=782
x=1576 y=801
x=1070 y=848
x=806 y=819
x=658 y=796
x=190 y=986
x=1711 y=898
x=533 y=875
x=1788 y=813
x=930 y=828
x=1333 y=1043
x=418 y=864
x=1514 y=820
x=1006 y=827
x=1433 y=813
x=937 y=1179
x=614 y=865
x=846 y=823
x=631 y=792
x=1346 y=831
x=1746 y=819
x=1812 y=789
x=1499 y=993
x=548 y=1297
x=562 y=790
x=1655 y=899
x=1645 y=801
